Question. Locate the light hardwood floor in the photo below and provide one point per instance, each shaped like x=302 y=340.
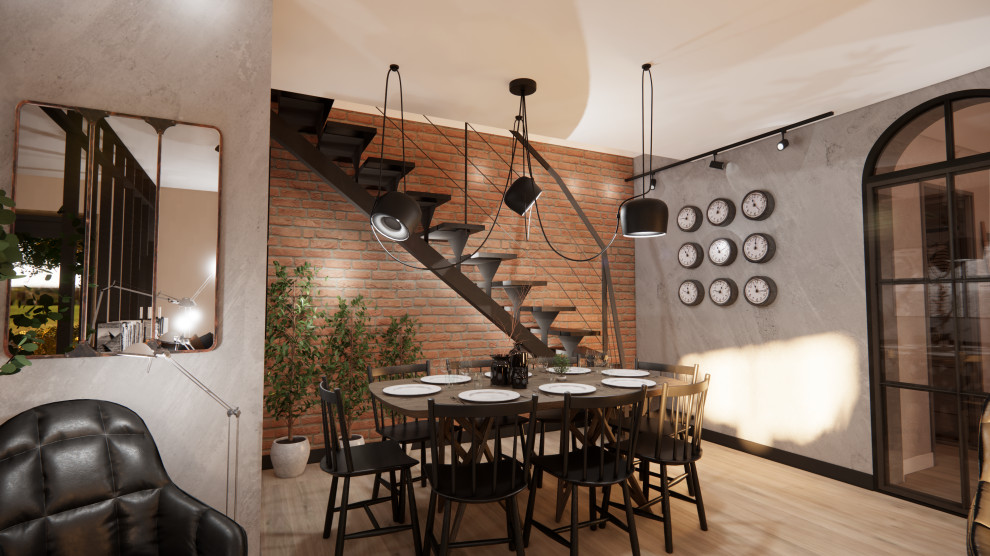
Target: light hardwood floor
x=754 y=507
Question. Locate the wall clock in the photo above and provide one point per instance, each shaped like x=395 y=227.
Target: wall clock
x=759 y=248
x=757 y=205
x=722 y=251
x=760 y=291
x=689 y=218
x=723 y=292
x=721 y=211
x=691 y=292
x=690 y=255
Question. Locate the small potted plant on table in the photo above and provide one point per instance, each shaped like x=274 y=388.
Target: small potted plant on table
x=559 y=366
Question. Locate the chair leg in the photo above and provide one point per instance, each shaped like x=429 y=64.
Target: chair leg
x=395 y=490
x=413 y=516
x=404 y=489
x=377 y=485
x=342 y=522
x=445 y=533
x=644 y=477
x=328 y=524
x=543 y=435
x=690 y=483
x=591 y=506
x=630 y=519
x=668 y=540
x=697 y=497
x=422 y=464
x=428 y=537
x=606 y=499
x=574 y=520
x=516 y=527
x=528 y=522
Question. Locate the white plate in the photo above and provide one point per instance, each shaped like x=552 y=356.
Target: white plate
x=627 y=373
x=489 y=396
x=629 y=382
x=578 y=371
x=445 y=379
x=489 y=374
x=563 y=388
x=411 y=389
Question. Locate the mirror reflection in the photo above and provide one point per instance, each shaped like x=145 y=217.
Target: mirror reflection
x=135 y=256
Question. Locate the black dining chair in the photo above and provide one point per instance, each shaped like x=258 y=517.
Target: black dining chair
x=685 y=373
x=479 y=473
x=603 y=459
x=345 y=461
x=547 y=417
x=396 y=426
x=674 y=438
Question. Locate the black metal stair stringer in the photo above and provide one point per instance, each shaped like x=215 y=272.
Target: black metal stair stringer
x=356 y=194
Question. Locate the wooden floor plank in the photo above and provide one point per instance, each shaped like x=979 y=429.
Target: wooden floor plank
x=754 y=507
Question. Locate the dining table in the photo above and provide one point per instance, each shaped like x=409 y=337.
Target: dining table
x=416 y=406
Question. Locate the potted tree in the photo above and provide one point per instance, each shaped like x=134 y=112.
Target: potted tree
x=347 y=346
x=292 y=353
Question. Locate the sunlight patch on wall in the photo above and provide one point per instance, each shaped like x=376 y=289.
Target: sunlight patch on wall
x=793 y=390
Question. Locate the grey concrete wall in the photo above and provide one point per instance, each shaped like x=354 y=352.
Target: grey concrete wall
x=793 y=375
x=203 y=62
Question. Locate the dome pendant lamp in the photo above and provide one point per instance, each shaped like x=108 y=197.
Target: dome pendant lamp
x=523 y=192
x=641 y=217
x=395 y=214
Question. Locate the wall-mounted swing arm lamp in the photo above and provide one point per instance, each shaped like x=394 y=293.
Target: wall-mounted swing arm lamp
x=394 y=214
x=146 y=351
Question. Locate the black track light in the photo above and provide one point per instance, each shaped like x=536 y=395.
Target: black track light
x=716 y=164
x=782 y=144
x=643 y=217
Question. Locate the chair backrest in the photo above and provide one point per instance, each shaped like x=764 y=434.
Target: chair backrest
x=332 y=408
x=613 y=447
x=687 y=373
x=683 y=420
x=382 y=415
x=454 y=365
x=501 y=422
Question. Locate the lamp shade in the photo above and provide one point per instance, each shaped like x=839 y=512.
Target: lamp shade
x=522 y=194
x=395 y=215
x=643 y=218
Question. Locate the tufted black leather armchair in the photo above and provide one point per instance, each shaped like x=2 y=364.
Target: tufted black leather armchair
x=84 y=477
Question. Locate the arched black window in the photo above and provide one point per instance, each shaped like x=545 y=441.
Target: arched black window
x=926 y=191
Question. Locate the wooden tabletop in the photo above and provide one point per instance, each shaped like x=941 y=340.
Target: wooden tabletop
x=415 y=406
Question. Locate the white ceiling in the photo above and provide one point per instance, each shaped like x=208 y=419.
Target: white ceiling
x=724 y=70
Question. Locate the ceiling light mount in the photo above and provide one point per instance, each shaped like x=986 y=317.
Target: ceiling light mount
x=522 y=87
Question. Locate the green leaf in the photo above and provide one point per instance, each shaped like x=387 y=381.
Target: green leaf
x=21 y=360
x=6 y=217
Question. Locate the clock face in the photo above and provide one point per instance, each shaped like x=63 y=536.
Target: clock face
x=759 y=248
x=721 y=212
x=760 y=291
x=690 y=255
x=691 y=292
x=689 y=218
x=757 y=204
x=722 y=251
x=723 y=291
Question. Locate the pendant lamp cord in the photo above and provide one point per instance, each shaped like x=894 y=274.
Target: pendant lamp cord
x=642 y=106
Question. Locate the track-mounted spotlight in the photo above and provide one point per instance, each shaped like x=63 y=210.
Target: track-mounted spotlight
x=782 y=144
x=715 y=163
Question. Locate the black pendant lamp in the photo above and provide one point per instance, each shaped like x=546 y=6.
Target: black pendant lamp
x=523 y=193
x=640 y=216
x=395 y=214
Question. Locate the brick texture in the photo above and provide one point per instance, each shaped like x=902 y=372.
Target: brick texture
x=310 y=221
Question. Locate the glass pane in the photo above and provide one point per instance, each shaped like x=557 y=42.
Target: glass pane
x=971 y=126
x=973 y=309
x=973 y=410
x=972 y=223
x=920 y=142
x=917 y=331
x=923 y=442
x=898 y=232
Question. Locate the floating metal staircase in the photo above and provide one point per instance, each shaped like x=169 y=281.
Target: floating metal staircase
x=298 y=115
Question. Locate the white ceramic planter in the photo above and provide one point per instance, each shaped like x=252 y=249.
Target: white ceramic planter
x=289 y=458
x=356 y=440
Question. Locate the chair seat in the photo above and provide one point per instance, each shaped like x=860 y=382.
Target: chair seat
x=485 y=491
x=672 y=450
x=554 y=465
x=410 y=431
x=375 y=457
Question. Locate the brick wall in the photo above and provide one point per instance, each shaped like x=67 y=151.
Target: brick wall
x=310 y=221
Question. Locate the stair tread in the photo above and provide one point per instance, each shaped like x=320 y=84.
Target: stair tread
x=546 y=308
x=339 y=140
x=518 y=283
x=560 y=331
x=388 y=171
x=456 y=227
x=487 y=256
x=421 y=197
x=307 y=113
